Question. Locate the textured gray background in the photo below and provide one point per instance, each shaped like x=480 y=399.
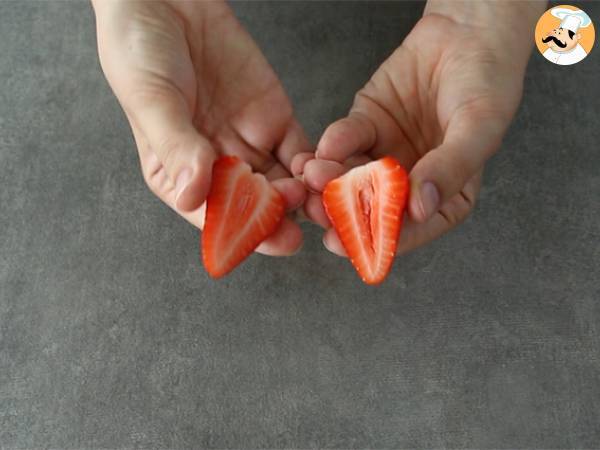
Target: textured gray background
x=111 y=334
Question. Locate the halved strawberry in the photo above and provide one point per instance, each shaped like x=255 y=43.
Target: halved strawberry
x=242 y=209
x=366 y=206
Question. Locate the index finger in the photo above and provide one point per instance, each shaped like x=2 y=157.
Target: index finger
x=342 y=139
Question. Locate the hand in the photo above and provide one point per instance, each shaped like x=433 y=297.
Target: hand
x=440 y=104
x=193 y=85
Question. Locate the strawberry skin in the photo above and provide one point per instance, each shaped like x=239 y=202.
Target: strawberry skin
x=366 y=206
x=242 y=209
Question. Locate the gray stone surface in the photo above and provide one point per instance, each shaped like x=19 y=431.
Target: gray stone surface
x=111 y=334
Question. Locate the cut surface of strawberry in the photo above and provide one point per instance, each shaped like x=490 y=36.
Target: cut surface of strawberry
x=242 y=210
x=366 y=207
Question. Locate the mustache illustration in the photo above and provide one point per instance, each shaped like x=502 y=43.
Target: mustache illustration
x=556 y=41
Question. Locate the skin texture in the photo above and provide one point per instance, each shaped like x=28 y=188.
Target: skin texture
x=440 y=104
x=194 y=85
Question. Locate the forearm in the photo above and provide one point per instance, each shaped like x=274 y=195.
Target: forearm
x=507 y=24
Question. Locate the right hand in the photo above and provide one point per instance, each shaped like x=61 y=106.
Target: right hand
x=194 y=85
x=440 y=105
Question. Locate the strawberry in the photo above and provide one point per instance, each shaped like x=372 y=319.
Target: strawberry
x=366 y=206
x=242 y=209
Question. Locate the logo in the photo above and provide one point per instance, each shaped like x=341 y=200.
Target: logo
x=564 y=35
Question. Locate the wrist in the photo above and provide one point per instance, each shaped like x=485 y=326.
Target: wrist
x=506 y=26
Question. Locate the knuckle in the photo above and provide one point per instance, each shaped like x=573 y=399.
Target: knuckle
x=148 y=92
x=168 y=148
x=151 y=182
x=458 y=208
x=176 y=150
x=151 y=168
x=455 y=169
x=330 y=140
x=460 y=171
x=336 y=130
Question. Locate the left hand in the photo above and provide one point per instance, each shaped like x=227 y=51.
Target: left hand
x=194 y=85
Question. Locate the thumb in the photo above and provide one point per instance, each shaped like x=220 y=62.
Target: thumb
x=145 y=57
x=443 y=172
x=187 y=156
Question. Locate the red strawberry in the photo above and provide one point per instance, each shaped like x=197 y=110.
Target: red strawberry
x=242 y=209
x=366 y=206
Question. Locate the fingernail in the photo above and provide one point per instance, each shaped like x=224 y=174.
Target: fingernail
x=299 y=172
x=308 y=188
x=325 y=244
x=183 y=179
x=430 y=199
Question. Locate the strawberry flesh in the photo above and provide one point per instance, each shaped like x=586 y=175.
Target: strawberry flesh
x=366 y=207
x=242 y=210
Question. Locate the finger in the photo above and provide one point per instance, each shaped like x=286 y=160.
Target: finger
x=414 y=234
x=453 y=212
x=159 y=183
x=149 y=87
x=292 y=191
x=261 y=124
x=229 y=141
x=299 y=161
x=276 y=172
x=294 y=142
x=187 y=157
x=357 y=160
x=294 y=194
x=152 y=169
x=332 y=242
x=342 y=139
x=313 y=205
x=315 y=211
x=300 y=216
x=197 y=217
x=319 y=172
x=286 y=240
x=443 y=172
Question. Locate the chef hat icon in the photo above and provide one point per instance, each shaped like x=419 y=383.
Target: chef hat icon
x=571 y=19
